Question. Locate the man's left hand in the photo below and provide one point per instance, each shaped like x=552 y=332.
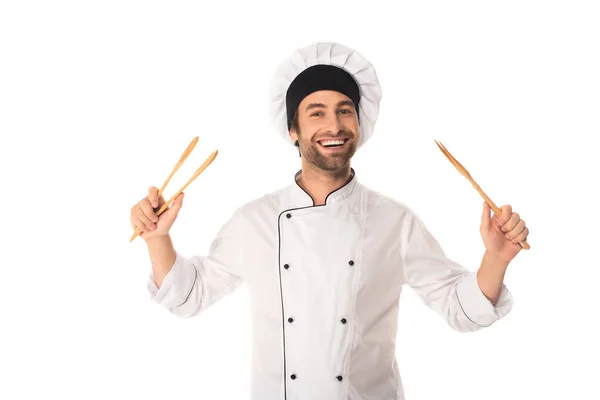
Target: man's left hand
x=501 y=234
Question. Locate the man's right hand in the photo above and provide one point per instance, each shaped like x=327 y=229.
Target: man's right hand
x=143 y=214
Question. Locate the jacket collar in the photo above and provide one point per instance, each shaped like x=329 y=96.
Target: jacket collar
x=296 y=197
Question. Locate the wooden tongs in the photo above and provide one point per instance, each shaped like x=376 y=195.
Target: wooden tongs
x=182 y=159
x=466 y=174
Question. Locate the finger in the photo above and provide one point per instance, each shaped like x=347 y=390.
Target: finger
x=153 y=196
x=504 y=216
x=486 y=220
x=137 y=223
x=145 y=221
x=133 y=219
x=517 y=230
x=142 y=222
x=512 y=222
x=522 y=236
x=148 y=210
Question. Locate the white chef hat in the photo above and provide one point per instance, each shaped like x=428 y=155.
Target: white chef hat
x=325 y=66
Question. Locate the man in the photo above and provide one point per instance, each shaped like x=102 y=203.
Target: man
x=326 y=258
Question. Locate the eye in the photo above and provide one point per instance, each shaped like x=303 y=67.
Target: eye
x=316 y=113
x=346 y=111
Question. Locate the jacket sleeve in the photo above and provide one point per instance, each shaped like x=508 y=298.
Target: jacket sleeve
x=445 y=286
x=195 y=283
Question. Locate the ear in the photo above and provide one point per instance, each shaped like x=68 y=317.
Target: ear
x=293 y=135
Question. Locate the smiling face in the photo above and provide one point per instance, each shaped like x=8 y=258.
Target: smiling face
x=326 y=130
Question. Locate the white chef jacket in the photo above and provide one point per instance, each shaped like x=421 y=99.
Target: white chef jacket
x=324 y=283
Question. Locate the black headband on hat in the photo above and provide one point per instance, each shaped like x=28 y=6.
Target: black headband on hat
x=320 y=77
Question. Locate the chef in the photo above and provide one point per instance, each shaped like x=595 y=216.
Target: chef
x=326 y=258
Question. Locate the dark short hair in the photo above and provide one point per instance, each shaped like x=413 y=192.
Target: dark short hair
x=294 y=123
x=295 y=126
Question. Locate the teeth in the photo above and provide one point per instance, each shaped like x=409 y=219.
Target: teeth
x=332 y=142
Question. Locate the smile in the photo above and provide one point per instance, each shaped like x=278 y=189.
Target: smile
x=333 y=143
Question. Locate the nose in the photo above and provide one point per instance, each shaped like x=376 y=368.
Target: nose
x=334 y=124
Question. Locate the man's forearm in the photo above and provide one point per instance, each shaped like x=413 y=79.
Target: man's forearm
x=162 y=257
x=490 y=276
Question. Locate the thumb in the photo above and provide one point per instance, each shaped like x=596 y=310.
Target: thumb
x=172 y=211
x=177 y=203
x=486 y=219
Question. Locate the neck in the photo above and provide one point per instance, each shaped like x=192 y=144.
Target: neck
x=318 y=183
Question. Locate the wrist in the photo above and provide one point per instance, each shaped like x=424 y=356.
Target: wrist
x=157 y=239
x=495 y=259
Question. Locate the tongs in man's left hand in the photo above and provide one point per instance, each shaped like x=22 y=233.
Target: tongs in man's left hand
x=182 y=159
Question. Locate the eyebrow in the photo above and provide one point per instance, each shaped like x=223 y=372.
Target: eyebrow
x=321 y=105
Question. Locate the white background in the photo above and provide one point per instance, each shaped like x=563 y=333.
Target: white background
x=99 y=99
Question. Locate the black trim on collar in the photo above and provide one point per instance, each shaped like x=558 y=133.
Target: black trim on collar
x=352 y=176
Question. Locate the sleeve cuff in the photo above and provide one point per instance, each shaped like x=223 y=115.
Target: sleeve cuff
x=167 y=293
x=477 y=307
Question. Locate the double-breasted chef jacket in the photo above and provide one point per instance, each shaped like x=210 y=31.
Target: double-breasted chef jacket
x=325 y=282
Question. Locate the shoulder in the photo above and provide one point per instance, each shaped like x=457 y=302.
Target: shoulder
x=396 y=217
x=378 y=202
x=261 y=204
